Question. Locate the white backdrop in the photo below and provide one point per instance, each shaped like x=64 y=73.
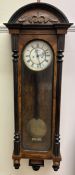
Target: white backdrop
x=7 y=8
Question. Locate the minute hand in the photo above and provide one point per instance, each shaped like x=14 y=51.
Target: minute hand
x=39 y=59
x=37 y=56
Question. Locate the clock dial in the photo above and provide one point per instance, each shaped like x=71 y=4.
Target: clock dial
x=37 y=55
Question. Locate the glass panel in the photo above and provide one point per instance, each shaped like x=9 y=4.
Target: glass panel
x=36 y=108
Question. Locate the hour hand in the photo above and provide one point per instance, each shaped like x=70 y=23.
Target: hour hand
x=36 y=53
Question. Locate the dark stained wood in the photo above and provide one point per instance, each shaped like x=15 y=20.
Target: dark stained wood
x=16 y=114
x=60 y=46
x=60 y=50
x=58 y=27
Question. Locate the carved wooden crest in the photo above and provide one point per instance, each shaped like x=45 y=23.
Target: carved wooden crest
x=37 y=18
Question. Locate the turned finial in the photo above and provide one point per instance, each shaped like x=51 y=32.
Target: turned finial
x=38 y=0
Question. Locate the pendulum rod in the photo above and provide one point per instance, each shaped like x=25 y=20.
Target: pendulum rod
x=36 y=103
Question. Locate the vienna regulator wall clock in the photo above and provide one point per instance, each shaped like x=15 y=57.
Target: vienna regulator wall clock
x=38 y=36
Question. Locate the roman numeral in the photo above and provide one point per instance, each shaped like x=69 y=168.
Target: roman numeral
x=27 y=55
x=46 y=50
x=37 y=44
x=28 y=60
x=47 y=54
x=46 y=60
x=33 y=46
x=32 y=65
x=38 y=65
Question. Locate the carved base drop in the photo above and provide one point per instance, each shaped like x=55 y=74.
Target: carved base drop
x=36 y=164
x=16 y=164
x=56 y=166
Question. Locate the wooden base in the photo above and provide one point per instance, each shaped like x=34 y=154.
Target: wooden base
x=37 y=163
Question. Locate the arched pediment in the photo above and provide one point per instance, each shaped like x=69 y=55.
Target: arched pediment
x=38 y=13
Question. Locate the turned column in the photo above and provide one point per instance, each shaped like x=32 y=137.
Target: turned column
x=60 y=50
x=16 y=112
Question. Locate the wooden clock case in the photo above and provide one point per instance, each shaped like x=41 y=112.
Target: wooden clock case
x=38 y=21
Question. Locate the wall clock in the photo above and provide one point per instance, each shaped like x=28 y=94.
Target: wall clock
x=38 y=37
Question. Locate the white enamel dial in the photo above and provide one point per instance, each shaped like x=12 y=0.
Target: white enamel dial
x=37 y=55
